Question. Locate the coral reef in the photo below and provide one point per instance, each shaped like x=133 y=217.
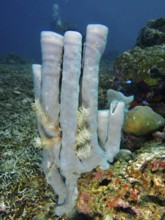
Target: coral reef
x=138 y=65
x=130 y=189
x=13 y=59
x=123 y=77
x=141 y=70
x=133 y=186
x=152 y=34
x=24 y=191
x=159 y=135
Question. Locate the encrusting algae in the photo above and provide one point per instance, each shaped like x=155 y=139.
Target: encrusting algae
x=135 y=191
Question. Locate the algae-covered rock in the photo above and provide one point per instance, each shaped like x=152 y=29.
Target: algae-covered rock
x=128 y=190
x=142 y=120
x=153 y=33
x=140 y=71
x=137 y=65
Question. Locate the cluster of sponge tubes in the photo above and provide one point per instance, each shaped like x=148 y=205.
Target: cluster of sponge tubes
x=68 y=79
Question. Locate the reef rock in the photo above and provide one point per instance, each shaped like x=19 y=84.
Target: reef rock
x=128 y=190
x=152 y=34
x=142 y=120
x=141 y=70
x=139 y=65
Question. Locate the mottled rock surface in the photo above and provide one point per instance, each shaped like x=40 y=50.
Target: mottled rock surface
x=142 y=120
x=152 y=34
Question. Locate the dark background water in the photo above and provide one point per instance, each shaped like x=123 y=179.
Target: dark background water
x=21 y=21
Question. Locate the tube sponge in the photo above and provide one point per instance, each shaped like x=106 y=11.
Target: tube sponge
x=69 y=108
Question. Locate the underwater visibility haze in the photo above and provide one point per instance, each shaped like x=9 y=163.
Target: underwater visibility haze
x=82 y=123
x=22 y=21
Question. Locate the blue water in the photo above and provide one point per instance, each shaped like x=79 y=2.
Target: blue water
x=21 y=21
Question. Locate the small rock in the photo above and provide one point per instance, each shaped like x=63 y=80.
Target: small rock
x=142 y=120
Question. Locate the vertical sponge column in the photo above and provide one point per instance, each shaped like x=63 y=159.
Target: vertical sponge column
x=69 y=134
x=115 y=123
x=70 y=165
x=70 y=98
x=96 y=39
x=52 y=49
x=36 y=69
